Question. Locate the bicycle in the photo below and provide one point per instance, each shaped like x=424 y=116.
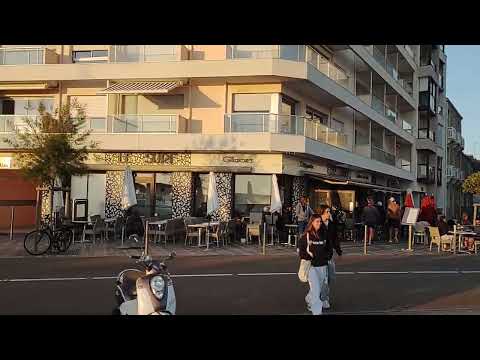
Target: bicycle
x=39 y=242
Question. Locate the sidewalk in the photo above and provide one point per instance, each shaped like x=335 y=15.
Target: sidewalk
x=15 y=248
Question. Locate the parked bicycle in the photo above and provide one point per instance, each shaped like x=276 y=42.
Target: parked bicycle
x=48 y=238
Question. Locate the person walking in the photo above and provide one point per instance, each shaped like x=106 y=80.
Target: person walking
x=302 y=212
x=370 y=217
x=315 y=247
x=330 y=228
x=393 y=218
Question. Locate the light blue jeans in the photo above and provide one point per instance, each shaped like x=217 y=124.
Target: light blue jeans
x=318 y=281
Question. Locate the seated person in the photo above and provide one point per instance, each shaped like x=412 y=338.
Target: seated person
x=443 y=229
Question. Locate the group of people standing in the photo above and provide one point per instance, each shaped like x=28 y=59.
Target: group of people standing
x=373 y=216
x=317 y=242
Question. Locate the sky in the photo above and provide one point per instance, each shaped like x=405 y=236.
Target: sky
x=463 y=90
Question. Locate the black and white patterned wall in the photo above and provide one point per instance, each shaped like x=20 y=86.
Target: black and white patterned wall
x=113 y=193
x=298 y=189
x=182 y=194
x=224 y=191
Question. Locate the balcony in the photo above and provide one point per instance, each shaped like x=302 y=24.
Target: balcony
x=285 y=124
x=409 y=50
x=383 y=156
x=147 y=53
x=9 y=123
x=452 y=172
x=426 y=174
x=451 y=134
x=115 y=124
x=27 y=56
x=407 y=126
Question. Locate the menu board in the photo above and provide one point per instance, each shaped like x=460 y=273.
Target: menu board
x=410 y=216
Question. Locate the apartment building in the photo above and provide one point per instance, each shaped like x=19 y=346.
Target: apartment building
x=431 y=138
x=459 y=165
x=332 y=121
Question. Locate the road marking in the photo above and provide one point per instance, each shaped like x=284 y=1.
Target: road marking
x=266 y=274
x=425 y=272
x=381 y=272
x=202 y=275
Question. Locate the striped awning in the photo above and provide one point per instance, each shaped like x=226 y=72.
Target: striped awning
x=143 y=87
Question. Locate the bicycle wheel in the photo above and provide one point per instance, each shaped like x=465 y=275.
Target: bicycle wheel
x=63 y=239
x=37 y=242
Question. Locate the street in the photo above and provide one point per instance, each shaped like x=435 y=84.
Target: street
x=248 y=285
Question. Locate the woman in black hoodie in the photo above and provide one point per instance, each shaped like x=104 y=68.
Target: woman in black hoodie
x=315 y=246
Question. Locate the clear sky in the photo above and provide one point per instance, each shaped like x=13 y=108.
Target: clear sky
x=463 y=89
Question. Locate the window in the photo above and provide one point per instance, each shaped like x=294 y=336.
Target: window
x=95 y=56
x=252 y=193
x=154 y=194
x=200 y=195
x=252 y=102
x=338 y=125
x=317 y=116
x=24 y=106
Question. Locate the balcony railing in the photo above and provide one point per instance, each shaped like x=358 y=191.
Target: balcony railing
x=426 y=173
x=383 y=156
x=111 y=124
x=451 y=133
x=22 y=56
x=8 y=123
x=143 y=53
x=407 y=126
x=143 y=123
x=284 y=124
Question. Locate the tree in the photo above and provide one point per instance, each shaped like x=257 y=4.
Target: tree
x=472 y=183
x=51 y=145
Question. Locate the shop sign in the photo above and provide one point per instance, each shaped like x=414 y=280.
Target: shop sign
x=362 y=176
x=232 y=159
x=339 y=172
x=5 y=162
x=148 y=158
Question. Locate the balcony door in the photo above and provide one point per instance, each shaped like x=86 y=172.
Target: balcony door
x=129 y=111
x=287 y=120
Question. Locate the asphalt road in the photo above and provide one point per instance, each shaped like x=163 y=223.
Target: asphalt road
x=250 y=285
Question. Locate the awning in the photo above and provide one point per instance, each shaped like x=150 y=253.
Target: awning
x=143 y=87
x=333 y=181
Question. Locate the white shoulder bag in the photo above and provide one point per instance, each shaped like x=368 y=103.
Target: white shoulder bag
x=305 y=265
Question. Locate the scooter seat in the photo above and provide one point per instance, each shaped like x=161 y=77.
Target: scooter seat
x=129 y=283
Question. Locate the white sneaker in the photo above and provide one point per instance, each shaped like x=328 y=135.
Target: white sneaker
x=326 y=304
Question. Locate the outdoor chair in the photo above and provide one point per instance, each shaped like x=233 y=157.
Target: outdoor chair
x=253 y=230
x=118 y=228
x=191 y=233
x=419 y=233
x=437 y=239
x=476 y=244
x=172 y=229
x=98 y=228
x=272 y=227
x=350 y=233
x=218 y=234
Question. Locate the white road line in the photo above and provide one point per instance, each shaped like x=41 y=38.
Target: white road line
x=381 y=272
x=426 y=272
x=434 y=272
x=265 y=274
x=202 y=275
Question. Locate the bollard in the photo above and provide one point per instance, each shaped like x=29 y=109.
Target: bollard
x=264 y=238
x=409 y=237
x=365 y=242
x=146 y=238
x=12 y=220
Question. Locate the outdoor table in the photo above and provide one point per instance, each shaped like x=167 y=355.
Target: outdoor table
x=81 y=222
x=205 y=226
x=158 y=223
x=108 y=222
x=292 y=229
x=460 y=234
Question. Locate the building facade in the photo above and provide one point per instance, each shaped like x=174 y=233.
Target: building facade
x=336 y=122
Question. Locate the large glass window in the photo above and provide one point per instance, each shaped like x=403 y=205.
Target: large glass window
x=95 y=56
x=252 y=193
x=24 y=106
x=362 y=134
x=154 y=194
x=200 y=195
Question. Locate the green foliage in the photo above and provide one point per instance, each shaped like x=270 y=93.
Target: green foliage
x=472 y=183
x=51 y=145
